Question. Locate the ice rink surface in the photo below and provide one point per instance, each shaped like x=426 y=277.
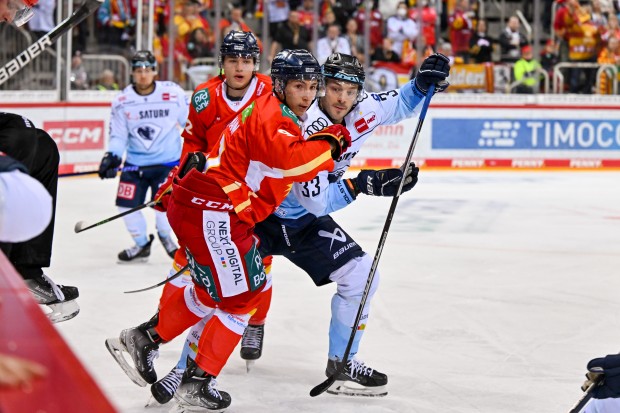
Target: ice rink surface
x=496 y=289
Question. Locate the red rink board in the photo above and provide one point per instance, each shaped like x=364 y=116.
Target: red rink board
x=26 y=332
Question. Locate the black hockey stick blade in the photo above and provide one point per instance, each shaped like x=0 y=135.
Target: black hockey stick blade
x=159 y=284
x=16 y=64
x=371 y=275
x=80 y=225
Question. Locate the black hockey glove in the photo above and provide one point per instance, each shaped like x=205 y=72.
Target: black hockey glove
x=434 y=70
x=108 y=166
x=383 y=182
x=604 y=373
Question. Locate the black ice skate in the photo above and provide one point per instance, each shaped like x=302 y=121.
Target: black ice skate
x=198 y=392
x=59 y=299
x=164 y=389
x=142 y=346
x=136 y=253
x=357 y=379
x=169 y=245
x=252 y=344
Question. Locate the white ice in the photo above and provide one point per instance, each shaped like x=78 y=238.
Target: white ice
x=496 y=289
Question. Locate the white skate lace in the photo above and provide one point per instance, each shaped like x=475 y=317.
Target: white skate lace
x=252 y=337
x=212 y=390
x=172 y=380
x=359 y=368
x=55 y=288
x=153 y=354
x=133 y=251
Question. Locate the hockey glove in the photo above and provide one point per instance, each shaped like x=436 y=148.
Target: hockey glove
x=604 y=373
x=109 y=165
x=192 y=160
x=338 y=137
x=383 y=182
x=162 y=197
x=434 y=70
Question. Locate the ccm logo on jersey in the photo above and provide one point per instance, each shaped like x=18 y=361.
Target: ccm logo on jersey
x=365 y=123
x=76 y=135
x=212 y=204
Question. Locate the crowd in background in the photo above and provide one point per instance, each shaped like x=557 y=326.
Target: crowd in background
x=585 y=31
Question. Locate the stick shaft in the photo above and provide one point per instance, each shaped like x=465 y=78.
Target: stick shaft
x=122 y=214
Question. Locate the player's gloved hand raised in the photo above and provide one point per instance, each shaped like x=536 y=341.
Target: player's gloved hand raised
x=162 y=197
x=337 y=135
x=108 y=166
x=383 y=182
x=434 y=70
x=604 y=372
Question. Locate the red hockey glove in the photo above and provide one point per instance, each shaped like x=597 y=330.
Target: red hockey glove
x=162 y=197
x=338 y=137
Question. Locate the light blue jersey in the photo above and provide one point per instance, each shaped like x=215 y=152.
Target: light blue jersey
x=326 y=193
x=149 y=127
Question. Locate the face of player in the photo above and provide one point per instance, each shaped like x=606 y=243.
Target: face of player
x=144 y=80
x=300 y=94
x=339 y=99
x=238 y=71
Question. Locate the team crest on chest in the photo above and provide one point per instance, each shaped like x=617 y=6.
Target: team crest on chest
x=147 y=133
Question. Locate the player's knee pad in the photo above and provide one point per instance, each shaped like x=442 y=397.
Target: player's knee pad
x=351 y=278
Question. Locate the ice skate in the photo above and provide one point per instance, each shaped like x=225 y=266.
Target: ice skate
x=59 y=300
x=169 y=245
x=252 y=344
x=142 y=347
x=163 y=390
x=357 y=379
x=136 y=253
x=198 y=392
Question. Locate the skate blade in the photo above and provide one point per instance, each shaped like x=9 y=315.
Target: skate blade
x=248 y=365
x=116 y=349
x=134 y=261
x=62 y=311
x=186 y=408
x=349 y=388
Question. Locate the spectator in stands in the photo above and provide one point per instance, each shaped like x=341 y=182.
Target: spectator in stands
x=612 y=29
x=235 y=22
x=511 y=40
x=567 y=20
x=429 y=18
x=115 y=23
x=584 y=42
x=290 y=35
x=79 y=76
x=609 y=55
x=481 y=44
x=327 y=18
x=306 y=14
x=445 y=48
x=526 y=71
x=356 y=41
x=385 y=53
x=549 y=57
x=343 y=10
x=278 y=12
x=198 y=44
x=107 y=81
x=460 y=28
x=376 y=23
x=401 y=29
x=332 y=43
x=597 y=15
x=43 y=20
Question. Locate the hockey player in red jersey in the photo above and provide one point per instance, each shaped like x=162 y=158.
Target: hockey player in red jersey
x=213 y=206
x=213 y=105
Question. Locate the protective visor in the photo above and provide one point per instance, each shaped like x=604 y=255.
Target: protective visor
x=22 y=10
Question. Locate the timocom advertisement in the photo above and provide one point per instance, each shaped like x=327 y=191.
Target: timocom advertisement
x=460 y=131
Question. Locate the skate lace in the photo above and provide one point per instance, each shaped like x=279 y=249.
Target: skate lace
x=359 y=368
x=252 y=337
x=168 y=244
x=57 y=291
x=172 y=380
x=153 y=354
x=212 y=390
x=133 y=251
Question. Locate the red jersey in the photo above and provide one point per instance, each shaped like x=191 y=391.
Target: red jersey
x=210 y=112
x=261 y=153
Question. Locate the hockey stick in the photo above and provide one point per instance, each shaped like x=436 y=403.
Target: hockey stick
x=132 y=168
x=35 y=49
x=167 y=280
x=341 y=366
x=79 y=226
x=587 y=395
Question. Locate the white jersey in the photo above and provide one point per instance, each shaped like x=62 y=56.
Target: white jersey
x=149 y=127
x=327 y=193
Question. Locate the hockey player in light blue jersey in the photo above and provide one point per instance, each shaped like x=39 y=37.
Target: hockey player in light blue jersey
x=146 y=122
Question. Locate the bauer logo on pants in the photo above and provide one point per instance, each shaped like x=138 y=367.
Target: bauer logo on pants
x=227 y=261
